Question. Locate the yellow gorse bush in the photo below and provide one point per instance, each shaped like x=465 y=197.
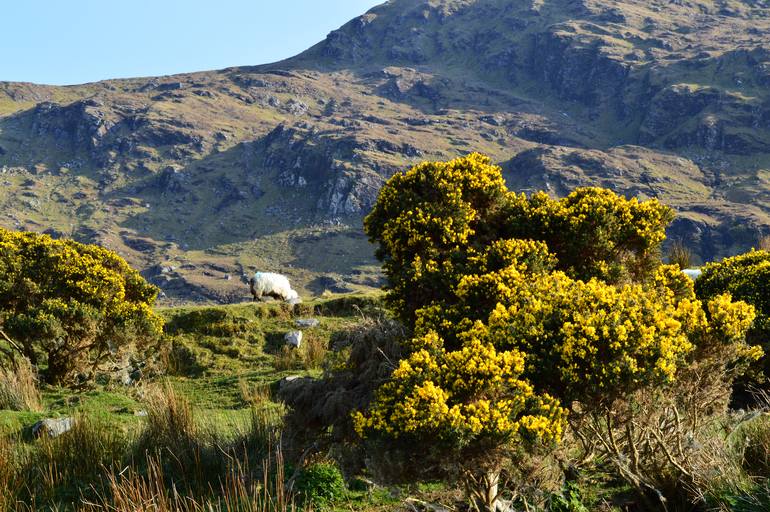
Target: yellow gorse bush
x=462 y=396
x=745 y=277
x=68 y=305
x=523 y=308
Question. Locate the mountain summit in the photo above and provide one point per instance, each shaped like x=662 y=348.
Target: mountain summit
x=198 y=178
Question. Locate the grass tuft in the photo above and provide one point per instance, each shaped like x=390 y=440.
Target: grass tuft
x=18 y=388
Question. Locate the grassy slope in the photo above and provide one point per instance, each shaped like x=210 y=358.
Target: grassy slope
x=246 y=356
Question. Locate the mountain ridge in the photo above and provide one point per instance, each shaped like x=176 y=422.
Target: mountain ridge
x=198 y=177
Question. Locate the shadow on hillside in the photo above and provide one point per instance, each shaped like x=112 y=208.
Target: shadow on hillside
x=252 y=190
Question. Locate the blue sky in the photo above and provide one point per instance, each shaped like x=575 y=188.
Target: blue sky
x=76 y=41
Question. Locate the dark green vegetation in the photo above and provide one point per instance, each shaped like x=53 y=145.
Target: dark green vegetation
x=197 y=177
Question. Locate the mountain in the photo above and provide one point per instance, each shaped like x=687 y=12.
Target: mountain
x=197 y=178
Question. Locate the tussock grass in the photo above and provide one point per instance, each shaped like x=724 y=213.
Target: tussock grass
x=9 y=474
x=238 y=490
x=47 y=470
x=309 y=356
x=254 y=394
x=80 y=455
x=265 y=427
x=18 y=388
x=170 y=426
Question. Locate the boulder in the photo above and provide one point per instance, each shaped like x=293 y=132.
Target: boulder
x=293 y=338
x=52 y=427
x=306 y=323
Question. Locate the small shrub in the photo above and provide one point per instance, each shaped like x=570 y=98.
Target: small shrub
x=320 y=484
x=18 y=388
x=746 y=277
x=569 y=500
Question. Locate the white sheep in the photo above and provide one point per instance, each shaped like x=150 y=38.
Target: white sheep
x=267 y=284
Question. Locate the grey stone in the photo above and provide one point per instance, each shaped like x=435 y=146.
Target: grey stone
x=293 y=338
x=307 y=323
x=290 y=382
x=52 y=427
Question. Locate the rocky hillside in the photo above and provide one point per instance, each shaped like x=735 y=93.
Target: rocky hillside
x=198 y=178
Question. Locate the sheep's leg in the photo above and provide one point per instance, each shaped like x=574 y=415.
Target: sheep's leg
x=252 y=290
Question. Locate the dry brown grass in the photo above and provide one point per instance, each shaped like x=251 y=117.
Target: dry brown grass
x=18 y=388
x=314 y=352
x=170 y=422
x=309 y=356
x=288 y=358
x=132 y=491
x=254 y=394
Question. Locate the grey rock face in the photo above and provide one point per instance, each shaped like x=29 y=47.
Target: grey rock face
x=333 y=284
x=82 y=124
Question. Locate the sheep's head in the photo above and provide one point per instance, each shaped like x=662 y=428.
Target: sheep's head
x=291 y=295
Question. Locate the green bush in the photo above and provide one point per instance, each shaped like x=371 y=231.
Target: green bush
x=321 y=484
x=569 y=500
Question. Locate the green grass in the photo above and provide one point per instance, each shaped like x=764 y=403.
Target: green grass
x=214 y=391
